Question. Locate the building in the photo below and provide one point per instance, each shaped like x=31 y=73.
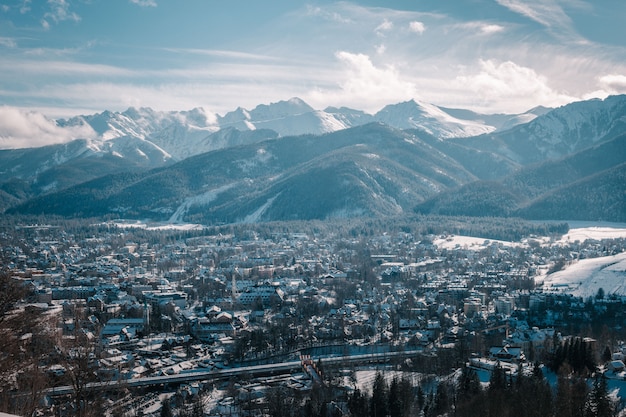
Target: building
x=179 y=298
x=267 y=293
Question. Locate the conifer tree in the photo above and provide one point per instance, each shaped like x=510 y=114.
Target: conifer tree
x=598 y=403
x=166 y=409
x=379 y=406
x=358 y=403
x=469 y=385
x=394 y=400
x=497 y=392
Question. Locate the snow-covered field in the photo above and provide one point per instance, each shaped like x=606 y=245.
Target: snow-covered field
x=365 y=378
x=469 y=243
x=579 y=231
x=585 y=277
x=136 y=224
x=582 y=231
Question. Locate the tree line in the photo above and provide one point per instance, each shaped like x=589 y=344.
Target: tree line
x=526 y=394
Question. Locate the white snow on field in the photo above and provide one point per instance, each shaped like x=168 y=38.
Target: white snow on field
x=365 y=378
x=182 y=226
x=585 y=277
x=582 y=231
x=579 y=231
x=469 y=243
x=136 y=224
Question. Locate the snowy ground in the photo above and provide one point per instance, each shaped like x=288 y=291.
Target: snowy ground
x=580 y=231
x=469 y=243
x=585 y=277
x=136 y=224
x=365 y=378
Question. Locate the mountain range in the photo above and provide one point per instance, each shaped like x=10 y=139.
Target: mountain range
x=287 y=161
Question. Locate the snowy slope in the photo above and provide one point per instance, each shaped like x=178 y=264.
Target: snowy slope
x=295 y=117
x=139 y=151
x=430 y=118
x=579 y=124
x=287 y=118
x=566 y=130
x=585 y=277
x=142 y=122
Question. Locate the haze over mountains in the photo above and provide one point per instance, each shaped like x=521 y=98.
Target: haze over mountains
x=287 y=161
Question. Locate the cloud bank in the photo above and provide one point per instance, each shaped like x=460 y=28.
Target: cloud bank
x=510 y=84
x=363 y=85
x=28 y=129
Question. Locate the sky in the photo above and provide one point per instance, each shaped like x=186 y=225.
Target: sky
x=60 y=58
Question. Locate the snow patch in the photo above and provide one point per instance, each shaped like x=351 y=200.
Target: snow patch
x=469 y=243
x=582 y=231
x=203 y=199
x=256 y=215
x=260 y=158
x=585 y=277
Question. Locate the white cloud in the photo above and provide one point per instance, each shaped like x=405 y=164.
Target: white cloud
x=186 y=94
x=144 y=3
x=515 y=88
x=551 y=14
x=25 y=129
x=59 y=12
x=614 y=83
x=25 y=7
x=481 y=28
x=222 y=53
x=488 y=29
x=610 y=84
x=8 y=42
x=63 y=68
x=325 y=14
x=385 y=26
x=417 y=27
x=545 y=12
x=364 y=85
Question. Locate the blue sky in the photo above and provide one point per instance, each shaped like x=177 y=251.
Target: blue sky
x=67 y=57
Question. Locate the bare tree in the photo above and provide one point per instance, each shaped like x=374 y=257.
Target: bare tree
x=22 y=344
x=80 y=364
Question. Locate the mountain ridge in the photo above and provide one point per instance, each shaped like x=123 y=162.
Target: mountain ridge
x=371 y=169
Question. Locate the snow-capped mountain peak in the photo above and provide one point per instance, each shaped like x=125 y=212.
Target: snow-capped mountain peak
x=288 y=117
x=430 y=118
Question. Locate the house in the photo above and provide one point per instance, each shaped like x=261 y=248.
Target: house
x=267 y=292
x=616 y=366
x=179 y=298
x=207 y=330
x=506 y=354
x=126 y=327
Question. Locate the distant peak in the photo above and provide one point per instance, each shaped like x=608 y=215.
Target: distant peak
x=539 y=110
x=297 y=100
x=291 y=107
x=294 y=102
x=137 y=111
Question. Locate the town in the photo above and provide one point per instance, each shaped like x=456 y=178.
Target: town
x=121 y=319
